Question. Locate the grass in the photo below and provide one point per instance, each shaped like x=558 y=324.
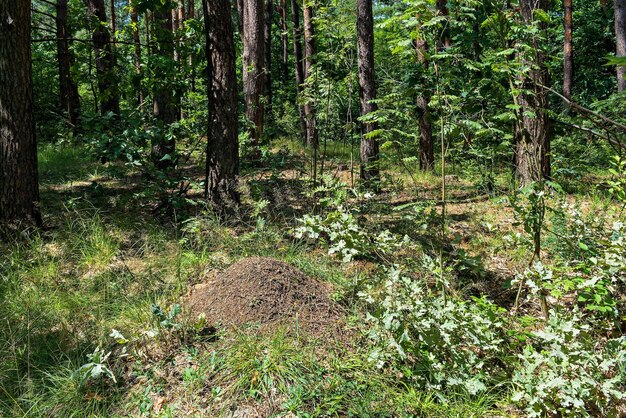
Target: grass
x=63 y=291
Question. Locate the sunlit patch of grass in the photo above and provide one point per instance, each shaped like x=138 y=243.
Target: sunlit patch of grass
x=59 y=163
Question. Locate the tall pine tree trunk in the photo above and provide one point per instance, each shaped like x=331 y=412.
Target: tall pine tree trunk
x=134 y=19
x=19 y=189
x=70 y=100
x=191 y=14
x=222 y=165
x=309 y=54
x=568 y=51
x=269 y=17
x=532 y=153
x=105 y=62
x=254 y=65
x=370 y=171
x=164 y=102
x=299 y=64
x=284 y=40
x=620 y=41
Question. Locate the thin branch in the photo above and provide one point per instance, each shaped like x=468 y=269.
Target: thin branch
x=48 y=2
x=43 y=13
x=585 y=110
x=44 y=29
x=594 y=133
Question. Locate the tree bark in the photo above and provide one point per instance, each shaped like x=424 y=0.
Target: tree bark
x=164 y=102
x=284 y=40
x=239 y=6
x=309 y=56
x=370 y=170
x=134 y=18
x=568 y=51
x=254 y=65
x=112 y=23
x=222 y=164
x=620 y=41
x=427 y=144
x=299 y=65
x=269 y=16
x=532 y=153
x=191 y=9
x=19 y=189
x=105 y=62
x=442 y=8
x=70 y=100
x=191 y=14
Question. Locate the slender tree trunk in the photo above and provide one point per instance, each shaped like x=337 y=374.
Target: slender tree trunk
x=191 y=14
x=442 y=8
x=222 y=165
x=568 y=51
x=254 y=65
x=370 y=170
x=427 y=144
x=239 y=6
x=134 y=19
x=164 y=102
x=191 y=9
x=284 y=40
x=178 y=20
x=309 y=56
x=70 y=100
x=532 y=154
x=269 y=17
x=113 y=29
x=620 y=41
x=19 y=189
x=299 y=65
x=112 y=23
x=105 y=62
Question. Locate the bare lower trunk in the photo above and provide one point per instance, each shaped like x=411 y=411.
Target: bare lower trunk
x=164 y=103
x=222 y=165
x=427 y=144
x=19 y=190
x=254 y=65
x=620 y=41
x=532 y=135
x=309 y=56
x=70 y=100
x=299 y=64
x=370 y=171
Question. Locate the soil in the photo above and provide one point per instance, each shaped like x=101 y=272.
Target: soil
x=267 y=293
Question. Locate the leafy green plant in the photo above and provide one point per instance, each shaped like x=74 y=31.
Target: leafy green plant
x=617 y=185
x=342 y=233
x=564 y=371
x=97 y=368
x=167 y=320
x=438 y=343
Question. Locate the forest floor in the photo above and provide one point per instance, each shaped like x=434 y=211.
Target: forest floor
x=115 y=285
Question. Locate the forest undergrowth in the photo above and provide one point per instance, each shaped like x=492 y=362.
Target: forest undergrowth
x=447 y=318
